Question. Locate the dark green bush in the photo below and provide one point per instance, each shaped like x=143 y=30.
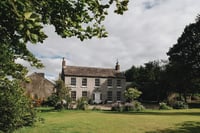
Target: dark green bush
x=16 y=109
x=51 y=100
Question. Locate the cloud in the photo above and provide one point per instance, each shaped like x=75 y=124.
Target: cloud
x=144 y=33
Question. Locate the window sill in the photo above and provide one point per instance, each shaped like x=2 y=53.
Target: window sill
x=72 y=86
x=83 y=86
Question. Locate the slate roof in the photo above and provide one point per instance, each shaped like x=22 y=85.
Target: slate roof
x=92 y=72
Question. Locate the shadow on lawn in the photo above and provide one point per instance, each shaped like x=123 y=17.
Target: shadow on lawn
x=186 y=127
x=155 y=113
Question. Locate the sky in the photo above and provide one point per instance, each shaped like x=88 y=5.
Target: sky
x=144 y=33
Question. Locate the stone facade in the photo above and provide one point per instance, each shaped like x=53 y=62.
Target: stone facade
x=38 y=87
x=100 y=85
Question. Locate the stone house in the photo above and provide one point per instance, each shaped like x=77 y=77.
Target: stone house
x=99 y=85
x=38 y=87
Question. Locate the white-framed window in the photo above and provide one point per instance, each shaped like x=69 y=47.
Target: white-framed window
x=73 y=95
x=109 y=95
x=109 y=83
x=73 y=81
x=84 y=81
x=119 y=83
x=97 y=82
x=118 y=95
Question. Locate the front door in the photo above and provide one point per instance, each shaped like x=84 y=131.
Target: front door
x=97 y=97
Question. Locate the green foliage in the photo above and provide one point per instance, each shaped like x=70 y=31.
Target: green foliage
x=138 y=106
x=22 y=22
x=151 y=79
x=180 y=105
x=61 y=98
x=128 y=107
x=184 y=58
x=15 y=107
x=117 y=107
x=133 y=106
x=164 y=106
x=51 y=100
x=131 y=94
x=82 y=103
x=62 y=91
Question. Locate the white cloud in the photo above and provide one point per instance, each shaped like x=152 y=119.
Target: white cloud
x=144 y=33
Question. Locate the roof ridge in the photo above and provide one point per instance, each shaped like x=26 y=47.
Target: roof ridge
x=90 y=67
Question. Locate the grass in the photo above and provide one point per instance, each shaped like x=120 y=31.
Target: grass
x=149 y=121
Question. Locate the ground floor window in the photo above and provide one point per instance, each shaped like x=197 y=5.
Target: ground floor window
x=73 y=95
x=118 y=95
x=84 y=93
x=109 y=95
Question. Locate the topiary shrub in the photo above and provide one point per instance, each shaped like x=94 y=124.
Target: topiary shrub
x=180 y=105
x=164 y=106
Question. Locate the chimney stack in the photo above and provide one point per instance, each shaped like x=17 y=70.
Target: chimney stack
x=117 y=67
x=63 y=63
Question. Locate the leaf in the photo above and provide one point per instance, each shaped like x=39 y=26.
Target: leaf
x=27 y=15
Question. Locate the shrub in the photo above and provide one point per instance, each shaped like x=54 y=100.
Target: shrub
x=82 y=104
x=59 y=106
x=164 y=106
x=15 y=108
x=96 y=108
x=138 y=106
x=128 y=107
x=180 y=105
x=117 y=107
x=51 y=100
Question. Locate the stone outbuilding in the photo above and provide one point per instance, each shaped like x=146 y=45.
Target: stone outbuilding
x=38 y=87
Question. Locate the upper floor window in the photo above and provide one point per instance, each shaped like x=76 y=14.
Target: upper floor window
x=118 y=83
x=109 y=82
x=73 y=81
x=84 y=81
x=97 y=82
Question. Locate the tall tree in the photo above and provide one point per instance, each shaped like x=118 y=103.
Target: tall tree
x=184 y=59
x=22 y=21
x=150 y=79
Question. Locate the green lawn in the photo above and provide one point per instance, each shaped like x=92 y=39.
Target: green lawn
x=150 y=121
